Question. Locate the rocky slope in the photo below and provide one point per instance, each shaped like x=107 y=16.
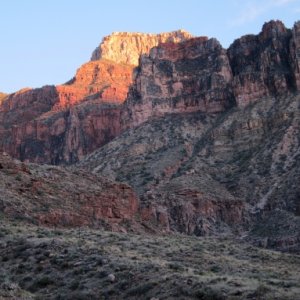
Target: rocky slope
x=52 y=196
x=211 y=174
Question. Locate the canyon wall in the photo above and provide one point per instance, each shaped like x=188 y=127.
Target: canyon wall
x=60 y=124
x=200 y=75
x=176 y=73
x=194 y=75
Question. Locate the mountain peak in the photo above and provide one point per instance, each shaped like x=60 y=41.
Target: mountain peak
x=127 y=47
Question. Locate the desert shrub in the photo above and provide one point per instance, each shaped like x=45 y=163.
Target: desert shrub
x=208 y=294
x=141 y=289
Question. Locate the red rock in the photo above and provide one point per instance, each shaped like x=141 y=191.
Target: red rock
x=62 y=124
x=54 y=196
x=194 y=75
x=126 y=47
x=294 y=54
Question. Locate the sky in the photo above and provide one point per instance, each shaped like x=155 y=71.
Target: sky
x=45 y=41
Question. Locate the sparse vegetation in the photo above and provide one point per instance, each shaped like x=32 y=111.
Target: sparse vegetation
x=93 y=264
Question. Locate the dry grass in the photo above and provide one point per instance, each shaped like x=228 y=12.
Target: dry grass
x=75 y=264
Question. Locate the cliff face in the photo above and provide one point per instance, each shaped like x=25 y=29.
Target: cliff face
x=124 y=47
x=199 y=75
x=261 y=64
x=295 y=53
x=61 y=124
x=194 y=75
x=180 y=74
x=66 y=135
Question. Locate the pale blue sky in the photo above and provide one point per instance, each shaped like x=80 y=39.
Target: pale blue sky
x=45 y=41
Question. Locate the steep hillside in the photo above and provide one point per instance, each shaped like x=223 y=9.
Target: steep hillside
x=53 y=196
x=214 y=142
x=206 y=174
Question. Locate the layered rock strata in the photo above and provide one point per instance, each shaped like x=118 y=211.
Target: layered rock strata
x=127 y=47
x=60 y=124
x=194 y=75
x=181 y=74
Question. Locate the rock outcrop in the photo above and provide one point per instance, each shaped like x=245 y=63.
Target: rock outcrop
x=261 y=64
x=295 y=53
x=53 y=196
x=126 y=47
x=61 y=124
x=193 y=75
x=2 y=96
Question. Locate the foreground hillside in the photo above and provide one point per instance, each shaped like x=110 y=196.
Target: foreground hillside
x=53 y=196
x=43 y=263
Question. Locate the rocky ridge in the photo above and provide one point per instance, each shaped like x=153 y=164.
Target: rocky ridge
x=200 y=75
x=181 y=74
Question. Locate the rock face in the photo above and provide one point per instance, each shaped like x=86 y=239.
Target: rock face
x=194 y=75
x=61 y=124
x=65 y=136
x=199 y=75
x=2 y=96
x=261 y=63
x=125 y=47
x=295 y=53
x=54 y=196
